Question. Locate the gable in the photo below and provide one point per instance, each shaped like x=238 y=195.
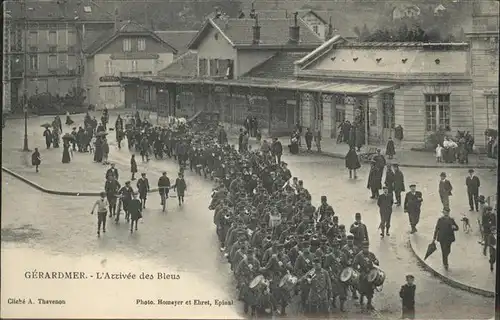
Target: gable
x=153 y=45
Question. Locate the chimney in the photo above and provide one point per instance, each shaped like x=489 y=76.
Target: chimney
x=256 y=31
x=329 y=34
x=294 y=30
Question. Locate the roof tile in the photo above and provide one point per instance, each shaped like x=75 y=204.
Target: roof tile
x=272 y=32
x=177 y=39
x=280 y=66
x=185 y=66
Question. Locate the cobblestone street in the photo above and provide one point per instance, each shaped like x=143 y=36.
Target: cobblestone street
x=183 y=239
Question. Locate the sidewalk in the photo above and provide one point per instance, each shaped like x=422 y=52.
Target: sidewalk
x=469 y=269
x=405 y=158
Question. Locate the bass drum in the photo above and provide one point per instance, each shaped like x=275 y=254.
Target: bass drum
x=256 y=281
x=376 y=277
x=288 y=282
x=349 y=276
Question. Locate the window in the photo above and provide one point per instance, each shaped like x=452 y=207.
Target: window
x=491 y=103
x=52 y=38
x=127 y=45
x=437 y=112
x=214 y=67
x=373 y=117
x=33 y=49
x=33 y=62
x=134 y=65
x=33 y=38
x=141 y=44
x=52 y=62
x=339 y=100
x=71 y=37
x=388 y=111
x=203 y=68
x=63 y=61
x=339 y=115
x=71 y=62
x=52 y=49
x=316 y=29
x=109 y=67
x=109 y=95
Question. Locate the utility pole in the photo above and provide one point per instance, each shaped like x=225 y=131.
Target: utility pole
x=25 y=78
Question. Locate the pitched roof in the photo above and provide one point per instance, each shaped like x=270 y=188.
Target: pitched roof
x=185 y=66
x=280 y=66
x=273 y=32
x=51 y=10
x=177 y=39
x=127 y=27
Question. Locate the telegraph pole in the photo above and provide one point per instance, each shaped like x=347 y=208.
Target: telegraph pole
x=25 y=78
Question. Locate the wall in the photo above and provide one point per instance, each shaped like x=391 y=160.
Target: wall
x=220 y=48
x=410 y=100
x=484 y=68
x=98 y=89
x=248 y=59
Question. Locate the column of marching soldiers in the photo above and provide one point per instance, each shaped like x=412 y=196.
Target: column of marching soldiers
x=278 y=244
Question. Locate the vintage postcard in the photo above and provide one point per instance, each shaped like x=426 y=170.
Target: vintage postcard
x=231 y=159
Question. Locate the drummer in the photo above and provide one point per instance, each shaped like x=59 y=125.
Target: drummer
x=245 y=272
x=364 y=261
x=333 y=263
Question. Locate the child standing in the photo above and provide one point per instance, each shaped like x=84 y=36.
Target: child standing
x=390 y=150
x=439 y=153
x=133 y=167
x=407 y=294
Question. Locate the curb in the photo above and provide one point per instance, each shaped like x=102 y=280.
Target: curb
x=430 y=166
x=56 y=192
x=449 y=281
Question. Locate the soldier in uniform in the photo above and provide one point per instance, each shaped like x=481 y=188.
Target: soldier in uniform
x=325 y=210
x=303 y=264
x=364 y=261
x=333 y=263
x=349 y=251
x=320 y=292
x=246 y=271
x=359 y=230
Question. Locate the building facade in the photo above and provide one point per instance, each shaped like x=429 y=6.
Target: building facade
x=131 y=50
x=47 y=39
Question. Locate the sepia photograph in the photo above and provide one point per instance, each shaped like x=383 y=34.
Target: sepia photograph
x=249 y=159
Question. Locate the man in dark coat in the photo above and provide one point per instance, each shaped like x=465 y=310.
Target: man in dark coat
x=444 y=233
x=143 y=189
x=135 y=211
x=385 y=202
x=277 y=150
x=399 y=184
x=472 y=182
x=412 y=205
x=112 y=172
x=112 y=187
x=389 y=180
x=309 y=138
x=407 y=295
x=445 y=189
x=374 y=180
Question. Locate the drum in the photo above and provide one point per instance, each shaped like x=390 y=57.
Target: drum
x=376 y=277
x=349 y=276
x=288 y=282
x=256 y=281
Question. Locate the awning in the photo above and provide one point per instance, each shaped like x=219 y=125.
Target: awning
x=326 y=87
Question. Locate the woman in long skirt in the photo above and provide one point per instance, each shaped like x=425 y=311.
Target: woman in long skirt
x=352 y=162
